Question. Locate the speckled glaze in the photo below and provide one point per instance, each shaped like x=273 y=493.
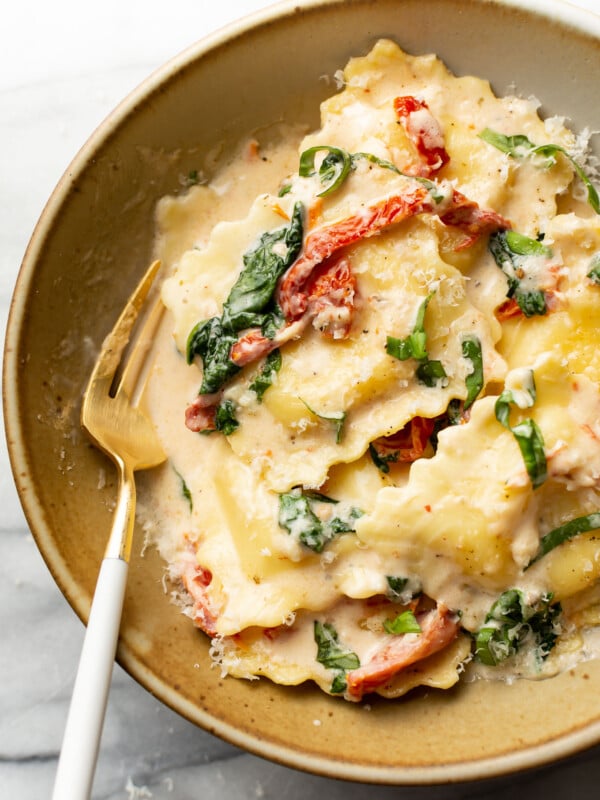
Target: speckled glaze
x=89 y=249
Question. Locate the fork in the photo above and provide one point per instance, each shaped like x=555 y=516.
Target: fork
x=111 y=416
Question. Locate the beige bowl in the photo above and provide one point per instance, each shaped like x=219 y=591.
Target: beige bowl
x=91 y=245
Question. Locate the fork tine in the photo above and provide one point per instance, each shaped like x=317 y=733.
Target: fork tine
x=118 y=339
x=136 y=363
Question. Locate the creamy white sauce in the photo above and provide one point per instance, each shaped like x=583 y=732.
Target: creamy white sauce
x=461 y=524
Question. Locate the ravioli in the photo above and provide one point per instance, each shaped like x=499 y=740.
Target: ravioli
x=382 y=406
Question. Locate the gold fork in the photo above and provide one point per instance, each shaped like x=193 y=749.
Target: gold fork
x=111 y=416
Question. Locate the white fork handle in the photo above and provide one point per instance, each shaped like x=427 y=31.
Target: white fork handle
x=81 y=740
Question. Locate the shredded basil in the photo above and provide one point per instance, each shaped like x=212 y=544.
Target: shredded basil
x=338 y=418
x=527 y=433
x=511 y=622
x=566 y=532
x=594 y=273
x=406 y=622
x=265 y=376
x=512 y=252
x=297 y=516
x=249 y=304
x=333 y=655
x=519 y=146
x=429 y=372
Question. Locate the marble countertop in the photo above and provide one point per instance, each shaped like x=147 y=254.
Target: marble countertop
x=63 y=67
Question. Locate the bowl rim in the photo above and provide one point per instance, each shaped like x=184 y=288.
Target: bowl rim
x=556 y=11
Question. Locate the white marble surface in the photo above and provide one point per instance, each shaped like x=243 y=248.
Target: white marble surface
x=63 y=67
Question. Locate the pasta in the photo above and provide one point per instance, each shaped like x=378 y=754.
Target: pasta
x=386 y=335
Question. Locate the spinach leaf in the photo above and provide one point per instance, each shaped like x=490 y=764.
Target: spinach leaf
x=298 y=517
x=519 y=146
x=265 y=376
x=531 y=443
x=406 y=622
x=272 y=322
x=527 y=433
x=396 y=585
x=471 y=350
x=333 y=170
x=263 y=266
x=512 y=251
x=338 y=684
x=373 y=159
x=516 y=146
x=415 y=344
x=338 y=418
x=249 y=304
x=212 y=343
x=511 y=622
x=428 y=372
x=225 y=419
x=330 y=652
x=435 y=190
x=566 y=532
x=338 y=163
x=185 y=490
x=594 y=273
x=382 y=462
x=402 y=589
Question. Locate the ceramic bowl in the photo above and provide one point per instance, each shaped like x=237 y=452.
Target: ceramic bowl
x=89 y=249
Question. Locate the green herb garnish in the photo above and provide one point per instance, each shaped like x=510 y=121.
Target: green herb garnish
x=253 y=290
x=266 y=374
x=511 y=622
x=428 y=372
x=194 y=177
x=406 y=622
x=566 y=532
x=249 y=304
x=513 y=252
x=471 y=350
x=338 y=164
x=333 y=170
x=401 y=589
x=338 y=418
x=527 y=433
x=185 y=490
x=382 y=462
x=213 y=344
x=297 y=516
x=225 y=419
x=333 y=655
x=594 y=272
x=519 y=146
